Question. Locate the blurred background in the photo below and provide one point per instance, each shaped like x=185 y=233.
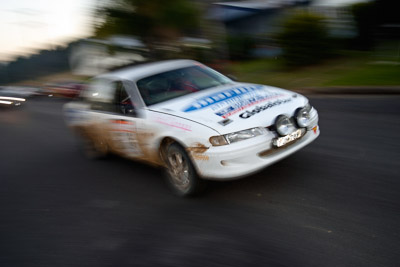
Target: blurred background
x=334 y=203
x=50 y=46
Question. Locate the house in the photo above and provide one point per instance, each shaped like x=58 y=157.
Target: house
x=253 y=17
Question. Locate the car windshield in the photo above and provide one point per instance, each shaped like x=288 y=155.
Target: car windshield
x=175 y=83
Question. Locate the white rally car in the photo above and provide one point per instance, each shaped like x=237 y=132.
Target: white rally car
x=192 y=120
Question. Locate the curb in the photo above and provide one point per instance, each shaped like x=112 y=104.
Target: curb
x=351 y=90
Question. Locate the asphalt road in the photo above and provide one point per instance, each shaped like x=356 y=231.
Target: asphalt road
x=334 y=203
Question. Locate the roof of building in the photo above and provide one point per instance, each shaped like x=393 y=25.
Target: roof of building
x=227 y=11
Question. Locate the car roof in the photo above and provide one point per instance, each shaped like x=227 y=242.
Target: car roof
x=147 y=69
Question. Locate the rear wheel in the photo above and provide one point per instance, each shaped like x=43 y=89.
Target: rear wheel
x=181 y=175
x=92 y=149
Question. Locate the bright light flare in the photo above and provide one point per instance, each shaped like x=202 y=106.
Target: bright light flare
x=12 y=98
x=5 y=102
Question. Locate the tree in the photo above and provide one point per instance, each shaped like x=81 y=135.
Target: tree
x=304 y=39
x=240 y=46
x=365 y=20
x=151 y=20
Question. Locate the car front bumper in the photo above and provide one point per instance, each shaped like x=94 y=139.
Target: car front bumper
x=244 y=158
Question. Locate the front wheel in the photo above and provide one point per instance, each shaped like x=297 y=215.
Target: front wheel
x=181 y=175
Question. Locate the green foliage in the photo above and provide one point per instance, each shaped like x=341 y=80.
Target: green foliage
x=304 y=40
x=44 y=63
x=240 y=47
x=151 y=20
x=369 y=75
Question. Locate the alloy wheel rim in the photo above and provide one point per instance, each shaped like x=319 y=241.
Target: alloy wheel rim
x=179 y=170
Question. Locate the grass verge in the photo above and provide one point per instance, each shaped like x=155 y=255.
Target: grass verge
x=352 y=69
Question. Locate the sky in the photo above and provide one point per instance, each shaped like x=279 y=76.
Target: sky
x=29 y=25
x=26 y=25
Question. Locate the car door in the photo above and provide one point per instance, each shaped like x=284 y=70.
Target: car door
x=124 y=124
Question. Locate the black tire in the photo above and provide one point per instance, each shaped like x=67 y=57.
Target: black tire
x=181 y=175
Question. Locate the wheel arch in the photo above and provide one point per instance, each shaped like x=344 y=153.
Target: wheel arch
x=165 y=142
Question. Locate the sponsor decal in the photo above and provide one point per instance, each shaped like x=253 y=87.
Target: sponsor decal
x=174 y=124
x=122 y=122
x=124 y=137
x=234 y=94
x=241 y=104
x=258 y=109
x=123 y=126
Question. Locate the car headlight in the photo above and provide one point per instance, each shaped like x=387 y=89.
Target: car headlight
x=226 y=139
x=303 y=116
x=284 y=125
x=219 y=140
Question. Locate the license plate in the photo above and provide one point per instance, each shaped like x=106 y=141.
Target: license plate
x=284 y=140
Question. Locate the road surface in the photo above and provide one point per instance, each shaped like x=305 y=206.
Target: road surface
x=334 y=203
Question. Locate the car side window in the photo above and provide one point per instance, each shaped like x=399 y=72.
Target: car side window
x=122 y=101
x=99 y=94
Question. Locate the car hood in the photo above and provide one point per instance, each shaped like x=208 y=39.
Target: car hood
x=234 y=107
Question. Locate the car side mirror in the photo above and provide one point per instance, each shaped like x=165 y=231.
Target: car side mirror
x=131 y=112
x=128 y=109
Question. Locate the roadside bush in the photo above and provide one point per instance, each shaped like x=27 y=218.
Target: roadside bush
x=304 y=40
x=240 y=47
